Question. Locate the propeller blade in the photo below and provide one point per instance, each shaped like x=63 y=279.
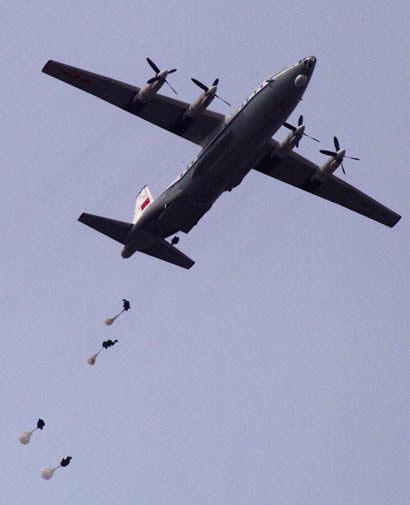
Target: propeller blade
x=289 y=126
x=215 y=83
x=222 y=100
x=153 y=66
x=172 y=71
x=171 y=87
x=199 y=83
x=153 y=79
x=352 y=158
x=300 y=120
x=313 y=138
x=343 y=169
x=328 y=153
x=337 y=145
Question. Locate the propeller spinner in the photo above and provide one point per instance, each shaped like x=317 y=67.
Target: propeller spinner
x=160 y=75
x=299 y=130
x=210 y=90
x=339 y=155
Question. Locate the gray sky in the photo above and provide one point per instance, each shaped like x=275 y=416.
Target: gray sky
x=276 y=371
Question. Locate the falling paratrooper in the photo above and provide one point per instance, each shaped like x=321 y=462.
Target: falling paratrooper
x=48 y=472
x=105 y=345
x=126 y=306
x=24 y=437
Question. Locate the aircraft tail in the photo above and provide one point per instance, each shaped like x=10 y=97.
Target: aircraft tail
x=141 y=240
x=144 y=199
x=158 y=247
x=117 y=230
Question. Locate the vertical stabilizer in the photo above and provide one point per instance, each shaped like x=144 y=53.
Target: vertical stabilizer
x=144 y=199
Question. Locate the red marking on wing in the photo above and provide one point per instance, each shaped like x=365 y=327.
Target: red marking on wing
x=145 y=203
x=76 y=76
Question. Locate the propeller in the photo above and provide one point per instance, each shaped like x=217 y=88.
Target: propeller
x=208 y=89
x=158 y=77
x=299 y=130
x=340 y=154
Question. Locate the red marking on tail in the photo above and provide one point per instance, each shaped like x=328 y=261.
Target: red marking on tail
x=145 y=203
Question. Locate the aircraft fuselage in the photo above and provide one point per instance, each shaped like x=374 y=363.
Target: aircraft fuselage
x=227 y=157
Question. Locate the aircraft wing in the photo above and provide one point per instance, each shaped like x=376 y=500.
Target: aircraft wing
x=296 y=170
x=160 y=110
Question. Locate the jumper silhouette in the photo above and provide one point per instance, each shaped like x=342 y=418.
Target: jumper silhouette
x=65 y=461
x=109 y=343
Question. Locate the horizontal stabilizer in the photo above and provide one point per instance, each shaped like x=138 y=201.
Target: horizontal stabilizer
x=117 y=230
x=163 y=250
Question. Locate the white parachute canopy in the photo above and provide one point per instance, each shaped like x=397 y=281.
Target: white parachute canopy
x=110 y=320
x=92 y=358
x=24 y=437
x=47 y=472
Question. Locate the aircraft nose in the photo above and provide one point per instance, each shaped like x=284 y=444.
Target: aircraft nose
x=309 y=62
x=304 y=70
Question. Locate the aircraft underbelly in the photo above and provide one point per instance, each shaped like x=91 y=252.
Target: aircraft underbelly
x=229 y=161
x=222 y=164
x=181 y=215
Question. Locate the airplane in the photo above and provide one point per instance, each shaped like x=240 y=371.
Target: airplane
x=231 y=146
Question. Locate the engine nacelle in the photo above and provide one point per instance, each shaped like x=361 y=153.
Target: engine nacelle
x=287 y=145
x=290 y=141
x=200 y=104
x=329 y=166
x=145 y=94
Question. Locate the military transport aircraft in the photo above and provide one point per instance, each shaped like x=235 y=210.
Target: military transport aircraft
x=231 y=146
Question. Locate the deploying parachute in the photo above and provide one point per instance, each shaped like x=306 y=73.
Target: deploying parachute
x=48 y=472
x=125 y=306
x=105 y=345
x=24 y=437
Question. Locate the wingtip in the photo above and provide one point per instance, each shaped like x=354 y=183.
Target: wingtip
x=46 y=66
x=396 y=220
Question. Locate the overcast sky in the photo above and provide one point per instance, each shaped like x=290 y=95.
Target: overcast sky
x=276 y=370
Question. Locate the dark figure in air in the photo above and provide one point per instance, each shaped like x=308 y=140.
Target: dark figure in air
x=109 y=343
x=40 y=424
x=65 y=461
x=126 y=304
